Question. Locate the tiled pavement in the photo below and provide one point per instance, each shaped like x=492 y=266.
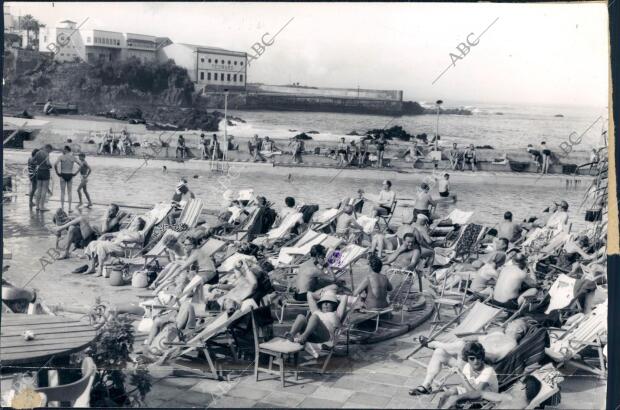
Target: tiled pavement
x=350 y=383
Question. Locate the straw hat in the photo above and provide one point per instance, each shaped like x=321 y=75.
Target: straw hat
x=328 y=297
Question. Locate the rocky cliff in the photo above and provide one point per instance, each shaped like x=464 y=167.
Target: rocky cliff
x=163 y=92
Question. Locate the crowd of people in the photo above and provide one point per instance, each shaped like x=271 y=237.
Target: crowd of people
x=66 y=167
x=511 y=266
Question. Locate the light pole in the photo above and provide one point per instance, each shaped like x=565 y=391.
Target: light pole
x=225 y=124
x=438 y=103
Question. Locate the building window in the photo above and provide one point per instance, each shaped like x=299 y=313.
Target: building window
x=228 y=62
x=241 y=77
x=209 y=60
x=235 y=63
x=215 y=76
x=208 y=76
x=216 y=61
x=234 y=77
x=202 y=75
x=118 y=42
x=241 y=63
x=202 y=60
x=228 y=77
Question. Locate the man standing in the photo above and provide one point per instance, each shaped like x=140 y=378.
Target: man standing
x=546 y=156
x=42 y=165
x=454 y=156
x=423 y=201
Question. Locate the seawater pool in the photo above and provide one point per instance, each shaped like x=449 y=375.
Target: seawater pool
x=487 y=194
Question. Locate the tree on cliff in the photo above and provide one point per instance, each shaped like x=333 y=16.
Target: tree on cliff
x=30 y=24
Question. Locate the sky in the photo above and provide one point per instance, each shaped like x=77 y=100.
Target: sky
x=542 y=54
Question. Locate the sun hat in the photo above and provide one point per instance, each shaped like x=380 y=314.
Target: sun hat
x=328 y=297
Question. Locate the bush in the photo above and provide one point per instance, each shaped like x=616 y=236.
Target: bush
x=110 y=351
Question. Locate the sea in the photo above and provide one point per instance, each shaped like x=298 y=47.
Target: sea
x=501 y=126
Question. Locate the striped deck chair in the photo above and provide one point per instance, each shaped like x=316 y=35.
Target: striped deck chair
x=342 y=260
x=463 y=247
x=567 y=344
x=191 y=212
x=524 y=358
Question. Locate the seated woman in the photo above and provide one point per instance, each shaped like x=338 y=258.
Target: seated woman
x=374 y=287
x=495 y=345
x=110 y=244
x=325 y=318
x=476 y=375
x=80 y=232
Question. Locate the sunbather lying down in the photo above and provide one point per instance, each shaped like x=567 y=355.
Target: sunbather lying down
x=497 y=344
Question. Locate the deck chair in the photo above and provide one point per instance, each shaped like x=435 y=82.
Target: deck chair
x=152 y=218
x=472 y=320
x=387 y=218
x=200 y=341
x=322 y=221
x=283 y=229
x=345 y=260
x=453 y=296
x=466 y=244
x=328 y=241
x=77 y=394
x=191 y=212
x=568 y=343
x=240 y=232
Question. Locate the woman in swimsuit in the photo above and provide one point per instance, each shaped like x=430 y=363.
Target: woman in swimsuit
x=66 y=174
x=326 y=317
x=470 y=157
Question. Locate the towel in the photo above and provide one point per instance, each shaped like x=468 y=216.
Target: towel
x=367 y=223
x=459 y=217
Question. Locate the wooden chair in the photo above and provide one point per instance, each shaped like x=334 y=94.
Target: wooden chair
x=77 y=394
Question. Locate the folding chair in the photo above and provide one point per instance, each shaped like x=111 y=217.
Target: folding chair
x=388 y=217
x=587 y=332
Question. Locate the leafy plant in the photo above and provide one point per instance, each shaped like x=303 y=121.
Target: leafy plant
x=111 y=353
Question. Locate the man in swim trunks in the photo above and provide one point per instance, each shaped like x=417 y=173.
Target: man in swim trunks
x=310 y=277
x=470 y=157
x=346 y=225
x=454 y=156
x=508 y=229
x=343 y=150
x=443 y=186
x=517 y=398
x=496 y=344
x=423 y=201
x=32 y=176
x=424 y=241
x=406 y=252
x=66 y=174
x=375 y=286
x=381 y=143
x=507 y=292
x=85 y=172
x=385 y=200
x=42 y=165
x=80 y=232
x=381 y=241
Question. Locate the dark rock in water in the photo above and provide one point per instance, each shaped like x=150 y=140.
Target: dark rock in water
x=196 y=176
x=302 y=136
x=353 y=133
x=396 y=132
x=499 y=113
x=484 y=147
x=312 y=132
x=559 y=116
x=292 y=130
